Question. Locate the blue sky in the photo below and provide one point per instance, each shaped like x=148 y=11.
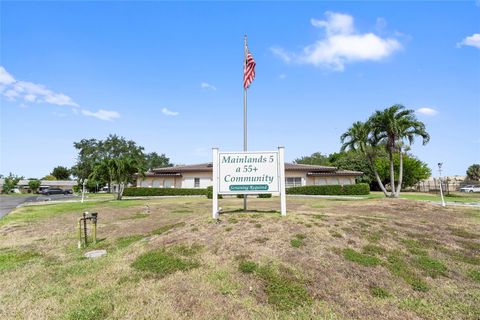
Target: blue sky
x=169 y=76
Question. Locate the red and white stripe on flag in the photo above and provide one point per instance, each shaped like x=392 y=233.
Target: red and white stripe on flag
x=248 y=70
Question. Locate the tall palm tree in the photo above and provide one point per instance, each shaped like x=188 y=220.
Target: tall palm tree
x=359 y=138
x=394 y=127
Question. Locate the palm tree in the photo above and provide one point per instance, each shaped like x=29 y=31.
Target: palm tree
x=359 y=138
x=394 y=127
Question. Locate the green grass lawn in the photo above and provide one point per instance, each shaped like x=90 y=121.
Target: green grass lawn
x=327 y=259
x=453 y=197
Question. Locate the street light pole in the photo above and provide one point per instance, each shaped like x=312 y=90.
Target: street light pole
x=440 y=178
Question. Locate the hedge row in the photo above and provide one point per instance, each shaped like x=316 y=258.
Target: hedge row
x=210 y=193
x=145 y=192
x=350 y=190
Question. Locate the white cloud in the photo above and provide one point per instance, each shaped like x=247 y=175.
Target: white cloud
x=26 y=91
x=282 y=76
x=342 y=44
x=205 y=85
x=167 y=112
x=473 y=41
x=31 y=92
x=5 y=77
x=427 y=111
x=11 y=94
x=282 y=54
x=101 y=114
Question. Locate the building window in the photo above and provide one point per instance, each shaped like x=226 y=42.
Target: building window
x=293 y=182
x=196 y=183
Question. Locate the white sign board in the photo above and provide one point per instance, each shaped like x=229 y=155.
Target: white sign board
x=248 y=172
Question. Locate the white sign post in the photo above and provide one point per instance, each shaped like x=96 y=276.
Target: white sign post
x=248 y=173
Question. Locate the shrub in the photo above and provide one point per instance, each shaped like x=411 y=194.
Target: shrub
x=146 y=192
x=352 y=189
x=209 y=193
x=265 y=195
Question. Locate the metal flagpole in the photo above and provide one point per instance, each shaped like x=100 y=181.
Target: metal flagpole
x=244 y=112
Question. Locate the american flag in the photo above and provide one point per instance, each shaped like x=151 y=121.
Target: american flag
x=248 y=70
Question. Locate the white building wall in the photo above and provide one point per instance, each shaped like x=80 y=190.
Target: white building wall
x=188 y=180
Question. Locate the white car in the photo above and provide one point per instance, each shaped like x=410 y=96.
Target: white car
x=470 y=188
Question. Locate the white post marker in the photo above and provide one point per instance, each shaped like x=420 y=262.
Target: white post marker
x=83 y=190
x=283 y=197
x=215 y=213
x=440 y=180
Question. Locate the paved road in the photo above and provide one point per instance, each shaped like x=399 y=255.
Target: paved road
x=8 y=203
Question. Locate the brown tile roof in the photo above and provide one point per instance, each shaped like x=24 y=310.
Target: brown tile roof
x=207 y=167
x=307 y=167
x=336 y=173
x=204 y=167
x=162 y=174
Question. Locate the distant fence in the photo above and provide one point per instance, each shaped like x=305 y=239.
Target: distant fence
x=448 y=185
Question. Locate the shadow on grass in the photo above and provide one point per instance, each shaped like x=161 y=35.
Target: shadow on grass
x=247 y=211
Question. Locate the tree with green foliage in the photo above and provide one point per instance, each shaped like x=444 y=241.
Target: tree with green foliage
x=49 y=177
x=154 y=160
x=314 y=159
x=414 y=170
x=89 y=153
x=61 y=173
x=34 y=184
x=355 y=161
x=358 y=138
x=393 y=129
x=396 y=128
x=473 y=172
x=10 y=182
x=93 y=155
x=120 y=170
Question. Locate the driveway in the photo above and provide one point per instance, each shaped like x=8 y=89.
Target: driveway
x=8 y=203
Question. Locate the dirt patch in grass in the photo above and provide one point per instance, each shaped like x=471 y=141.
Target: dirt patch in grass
x=167 y=227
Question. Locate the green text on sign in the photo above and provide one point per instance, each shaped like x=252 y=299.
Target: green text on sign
x=249 y=187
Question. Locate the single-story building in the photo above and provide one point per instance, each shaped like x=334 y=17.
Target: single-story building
x=200 y=176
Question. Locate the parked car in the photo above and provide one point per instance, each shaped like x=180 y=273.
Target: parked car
x=50 y=191
x=470 y=188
